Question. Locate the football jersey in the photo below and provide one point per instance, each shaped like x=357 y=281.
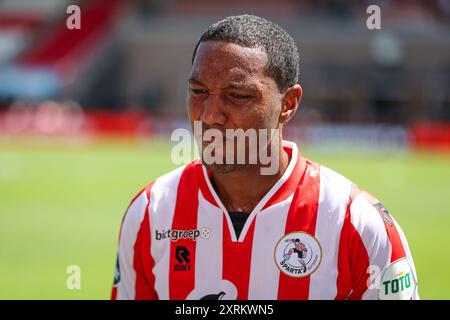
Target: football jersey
x=314 y=235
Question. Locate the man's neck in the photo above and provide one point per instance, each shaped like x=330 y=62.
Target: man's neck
x=241 y=190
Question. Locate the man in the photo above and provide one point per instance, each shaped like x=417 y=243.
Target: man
x=225 y=230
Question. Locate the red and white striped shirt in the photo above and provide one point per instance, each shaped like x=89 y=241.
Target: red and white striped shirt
x=314 y=235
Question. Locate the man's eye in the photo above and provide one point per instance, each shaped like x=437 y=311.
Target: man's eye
x=199 y=91
x=240 y=96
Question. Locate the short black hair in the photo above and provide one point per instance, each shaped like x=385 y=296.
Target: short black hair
x=256 y=32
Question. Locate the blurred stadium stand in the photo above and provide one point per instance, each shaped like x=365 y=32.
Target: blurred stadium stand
x=135 y=55
x=57 y=62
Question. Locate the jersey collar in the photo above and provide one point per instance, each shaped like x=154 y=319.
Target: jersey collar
x=281 y=191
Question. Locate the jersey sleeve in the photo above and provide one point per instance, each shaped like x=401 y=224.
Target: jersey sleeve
x=133 y=278
x=376 y=257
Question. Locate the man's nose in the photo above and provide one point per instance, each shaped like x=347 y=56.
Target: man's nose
x=213 y=113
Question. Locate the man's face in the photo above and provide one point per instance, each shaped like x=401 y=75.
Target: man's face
x=229 y=88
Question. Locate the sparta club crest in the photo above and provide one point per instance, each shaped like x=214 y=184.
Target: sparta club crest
x=298 y=254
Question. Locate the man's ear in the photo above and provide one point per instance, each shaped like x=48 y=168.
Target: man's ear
x=291 y=100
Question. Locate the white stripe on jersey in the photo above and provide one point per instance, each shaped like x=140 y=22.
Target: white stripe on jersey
x=208 y=251
x=163 y=196
x=133 y=218
x=371 y=229
x=269 y=228
x=333 y=198
x=408 y=256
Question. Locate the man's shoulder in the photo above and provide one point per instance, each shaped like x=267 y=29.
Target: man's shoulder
x=169 y=179
x=333 y=185
x=341 y=198
x=168 y=182
x=331 y=175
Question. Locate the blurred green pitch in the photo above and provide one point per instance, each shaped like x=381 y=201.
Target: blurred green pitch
x=62 y=205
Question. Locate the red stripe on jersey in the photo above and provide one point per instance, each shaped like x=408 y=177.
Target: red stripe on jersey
x=398 y=251
x=289 y=186
x=182 y=280
x=353 y=264
x=353 y=259
x=143 y=262
x=344 y=278
x=302 y=217
x=114 y=293
x=237 y=258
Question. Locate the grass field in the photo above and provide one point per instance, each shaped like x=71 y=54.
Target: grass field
x=62 y=204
